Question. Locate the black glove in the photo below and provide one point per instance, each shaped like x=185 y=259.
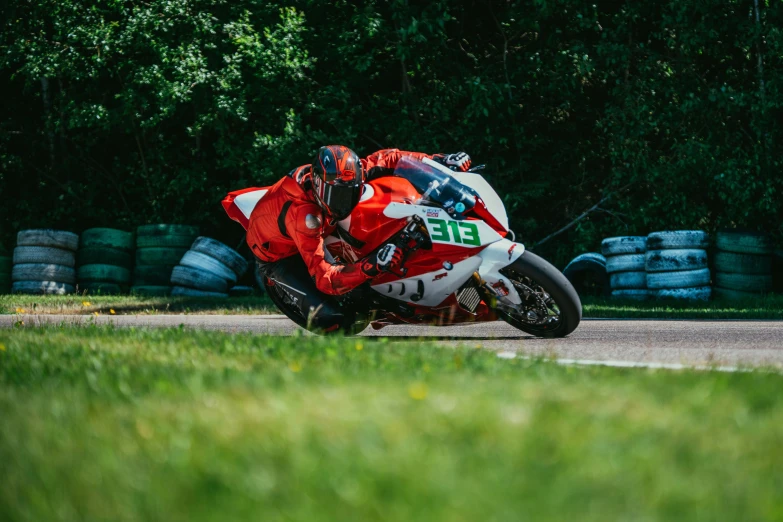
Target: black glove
x=382 y=260
x=459 y=161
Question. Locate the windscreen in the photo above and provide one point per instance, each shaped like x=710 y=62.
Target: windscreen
x=437 y=187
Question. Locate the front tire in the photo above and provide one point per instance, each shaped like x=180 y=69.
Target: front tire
x=543 y=289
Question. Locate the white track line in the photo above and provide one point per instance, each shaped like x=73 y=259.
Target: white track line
x=631 y=364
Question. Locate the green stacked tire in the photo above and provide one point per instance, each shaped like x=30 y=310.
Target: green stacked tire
x=743 y=265
x=105 y=261
x=159 y=248
x=5 y=274
x=44 y=261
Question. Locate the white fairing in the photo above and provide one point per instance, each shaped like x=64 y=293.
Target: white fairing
x=438 y=285
x=496 y=256
x=479 y=184
x=247 y=202
x=435 y=218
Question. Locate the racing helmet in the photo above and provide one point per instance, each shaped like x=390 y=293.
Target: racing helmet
x=337 y=180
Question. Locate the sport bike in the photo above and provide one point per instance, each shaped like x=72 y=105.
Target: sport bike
x=460 y=264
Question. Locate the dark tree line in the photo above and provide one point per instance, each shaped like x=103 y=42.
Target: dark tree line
x=638 y=116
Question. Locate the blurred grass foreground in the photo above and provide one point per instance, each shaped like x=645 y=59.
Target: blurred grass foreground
x=125 y=425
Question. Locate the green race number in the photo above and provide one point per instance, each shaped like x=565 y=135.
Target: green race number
x=460 y=232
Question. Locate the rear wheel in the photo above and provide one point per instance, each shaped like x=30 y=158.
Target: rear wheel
x=348 y=323
x=550 y=306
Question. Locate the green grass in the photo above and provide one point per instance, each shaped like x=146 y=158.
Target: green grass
x=129 y=304
x=767 y=307
x=770 y=307
x=125 y=425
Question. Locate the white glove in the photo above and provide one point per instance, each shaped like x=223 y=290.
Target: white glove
x=389 y=256
x=458 y=161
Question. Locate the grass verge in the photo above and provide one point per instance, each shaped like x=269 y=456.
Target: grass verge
x=130 y=305
x=121 y=425
x=766 y=307
x=769 y=307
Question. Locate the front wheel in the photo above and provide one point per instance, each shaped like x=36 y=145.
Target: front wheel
x=550 y=306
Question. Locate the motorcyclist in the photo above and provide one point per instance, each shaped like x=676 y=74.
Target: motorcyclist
x=287 y=227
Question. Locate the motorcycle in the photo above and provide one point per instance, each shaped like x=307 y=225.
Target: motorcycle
x=461 y=263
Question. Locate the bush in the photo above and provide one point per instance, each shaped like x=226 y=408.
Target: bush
x=128 y=113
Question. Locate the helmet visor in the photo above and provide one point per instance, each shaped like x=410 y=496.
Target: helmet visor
x=340 y=199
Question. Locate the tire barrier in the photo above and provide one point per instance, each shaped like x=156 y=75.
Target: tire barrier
x=674 y=260
x=152 y=275
x=159 y=248
x=725 y=294
x=679 y=280
x=699 y=293
x=241 y=291
x=625 y=263
x=104 y=256
x=43 y=262
x=752 y=283
x=159 y=255
x=631 y=294
x=151 y=290
x=48 y=238
x=625 y=266
x=198 y=279
x=208 y=269
x=678 y=239
x=164 y=242
x=744 y=243
x=43 y=272
x=676 y=265
x=39 y=254
x=107 y=238
x=102 y=288
x=587 y=273
x=42 y=288
x=207 y=263
x=222 y=253
x=629 y=280
x=191 y=292
x=743 y=265
x=614 y=246
x=105 y=261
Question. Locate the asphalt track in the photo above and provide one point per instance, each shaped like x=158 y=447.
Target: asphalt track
x=728 y=344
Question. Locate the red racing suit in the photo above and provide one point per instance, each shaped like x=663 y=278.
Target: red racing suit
x=287 y=221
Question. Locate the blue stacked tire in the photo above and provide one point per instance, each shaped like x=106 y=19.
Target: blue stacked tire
x=587 y=274
x=159 y=248
x=676 y=265
x=743 y=265
x=625 y=266
x=105 y=261
x=208 y=269
x=44 y=261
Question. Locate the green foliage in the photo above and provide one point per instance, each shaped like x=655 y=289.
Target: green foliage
x=128 y=112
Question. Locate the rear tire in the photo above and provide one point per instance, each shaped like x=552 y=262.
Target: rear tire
x=349 y=325
x=556 y=285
